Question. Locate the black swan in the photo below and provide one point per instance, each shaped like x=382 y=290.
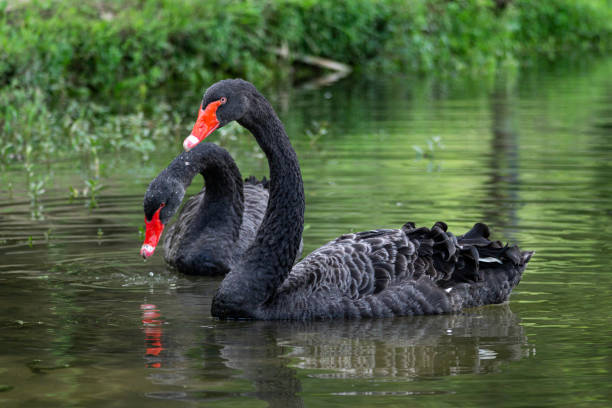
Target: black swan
x=386 y=272
x=215 y=226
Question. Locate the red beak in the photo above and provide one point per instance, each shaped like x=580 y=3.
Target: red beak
x=206 y=123
x=152 y=235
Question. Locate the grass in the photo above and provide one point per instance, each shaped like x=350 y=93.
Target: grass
x=92 y=46
x=57 y=58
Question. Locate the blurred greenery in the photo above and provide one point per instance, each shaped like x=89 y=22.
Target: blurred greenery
x=57 y=57
x=112 y=44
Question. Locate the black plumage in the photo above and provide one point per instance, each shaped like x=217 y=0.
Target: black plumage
x=214 y=227
x=380 y=273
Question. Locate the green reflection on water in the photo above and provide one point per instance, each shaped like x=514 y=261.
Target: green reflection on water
x=530 y=156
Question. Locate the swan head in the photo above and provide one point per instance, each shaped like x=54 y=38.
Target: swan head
x=161 y=201
x=224 y=102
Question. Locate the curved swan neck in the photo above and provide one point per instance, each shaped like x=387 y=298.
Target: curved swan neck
x=267 y=262
x=281 y=229
x=223 y=203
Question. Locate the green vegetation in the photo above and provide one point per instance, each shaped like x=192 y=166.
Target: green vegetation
x=121 y=44
x=446 y=37
x=57 y=57
x=429 y=152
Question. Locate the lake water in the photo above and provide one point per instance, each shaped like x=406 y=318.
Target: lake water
x=85 y=322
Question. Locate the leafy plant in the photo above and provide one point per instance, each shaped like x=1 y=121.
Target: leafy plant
x=91 y=190
x=316 y=132
x=428 y=152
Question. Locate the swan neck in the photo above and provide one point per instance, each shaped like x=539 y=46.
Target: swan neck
x=223 y=203
x=284 y=218
x=268 y=261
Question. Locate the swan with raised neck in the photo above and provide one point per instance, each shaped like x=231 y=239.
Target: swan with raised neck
x=379 y=273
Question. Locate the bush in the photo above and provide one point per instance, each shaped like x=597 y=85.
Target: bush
x=562 y=26
x=113 y=45
x=55 y=53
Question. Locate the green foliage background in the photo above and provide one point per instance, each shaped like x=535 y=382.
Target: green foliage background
x=113 y=44
x=54 y=52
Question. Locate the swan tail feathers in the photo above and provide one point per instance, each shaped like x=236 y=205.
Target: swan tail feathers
x=472 y=269
x=264 y=182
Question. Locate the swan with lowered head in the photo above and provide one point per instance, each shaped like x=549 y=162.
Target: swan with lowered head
x=214 y=227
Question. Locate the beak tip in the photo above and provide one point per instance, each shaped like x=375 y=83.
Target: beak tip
x=190 y=142
x=146 y=251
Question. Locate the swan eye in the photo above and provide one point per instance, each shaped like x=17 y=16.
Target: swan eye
x=223 y=100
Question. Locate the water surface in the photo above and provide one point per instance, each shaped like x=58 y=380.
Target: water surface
x=84 y=322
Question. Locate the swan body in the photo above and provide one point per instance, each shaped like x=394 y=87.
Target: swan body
x=190 y=250
x=379 y=273
x=396 y=272
x=214 y=227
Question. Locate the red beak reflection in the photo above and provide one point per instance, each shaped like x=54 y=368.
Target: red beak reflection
x=152 y=325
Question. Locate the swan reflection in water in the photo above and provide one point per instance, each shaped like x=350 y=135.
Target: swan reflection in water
x=476 y=341
x=276 y=356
